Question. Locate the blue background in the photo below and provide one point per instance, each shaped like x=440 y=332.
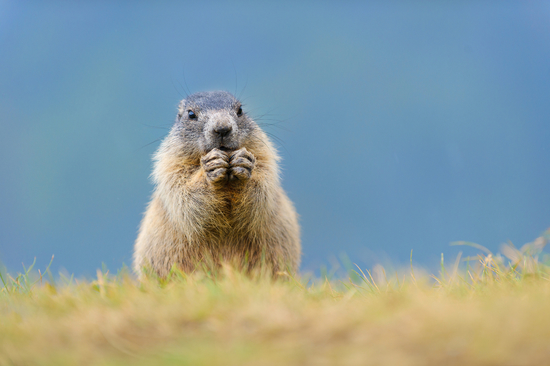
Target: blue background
x=401 y=125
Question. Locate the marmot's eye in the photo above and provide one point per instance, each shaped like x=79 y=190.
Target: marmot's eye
x=191 y=114
x=240 y=112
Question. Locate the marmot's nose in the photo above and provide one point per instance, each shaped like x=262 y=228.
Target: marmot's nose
x=223 y=131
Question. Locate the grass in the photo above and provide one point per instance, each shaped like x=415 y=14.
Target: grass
x=489 y=310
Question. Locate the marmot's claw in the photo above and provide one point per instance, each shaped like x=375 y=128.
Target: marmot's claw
x=239 y=173
x=215 y=164
x=241 y=164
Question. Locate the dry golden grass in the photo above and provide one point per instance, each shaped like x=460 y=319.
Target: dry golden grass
x=494 y=312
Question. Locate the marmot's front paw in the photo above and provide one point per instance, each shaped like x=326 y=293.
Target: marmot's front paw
x=241 y=163
x=215 y=164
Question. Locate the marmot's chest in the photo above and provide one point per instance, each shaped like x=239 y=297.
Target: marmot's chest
x=231 y=200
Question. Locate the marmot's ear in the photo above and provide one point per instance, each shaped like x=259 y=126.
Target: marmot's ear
x=180 y=108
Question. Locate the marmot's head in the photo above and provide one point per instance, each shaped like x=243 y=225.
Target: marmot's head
x=209 y=120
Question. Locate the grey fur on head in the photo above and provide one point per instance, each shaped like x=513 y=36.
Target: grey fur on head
x=216 y=123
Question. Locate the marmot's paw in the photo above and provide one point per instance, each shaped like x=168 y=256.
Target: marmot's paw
x=241 y=163
x=215 y=164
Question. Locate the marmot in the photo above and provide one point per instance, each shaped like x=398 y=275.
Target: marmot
x=217 y=193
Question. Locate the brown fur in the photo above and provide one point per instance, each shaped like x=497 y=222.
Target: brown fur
x=191 y=217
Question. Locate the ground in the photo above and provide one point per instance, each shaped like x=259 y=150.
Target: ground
x=495 y=311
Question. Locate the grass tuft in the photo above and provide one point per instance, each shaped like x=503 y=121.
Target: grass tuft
x=491 y=309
